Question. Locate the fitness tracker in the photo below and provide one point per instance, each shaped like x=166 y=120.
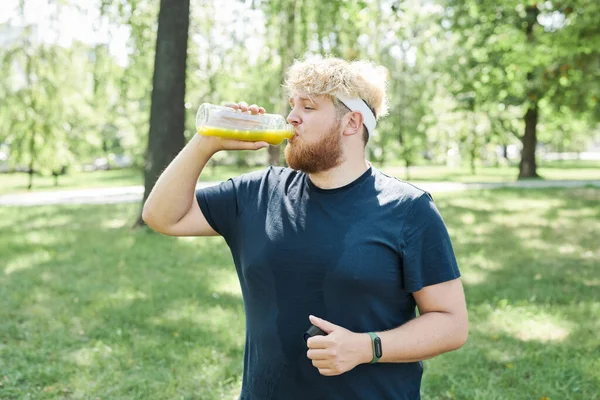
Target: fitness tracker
x=312 y=331
x=377 y=350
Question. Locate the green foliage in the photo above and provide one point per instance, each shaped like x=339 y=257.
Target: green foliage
x=462 y=74
x=40 y=105
x=512 y=55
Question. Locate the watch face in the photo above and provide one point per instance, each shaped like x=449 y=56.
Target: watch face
x=378 y=351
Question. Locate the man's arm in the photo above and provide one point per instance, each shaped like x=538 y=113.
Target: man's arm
x=441 y=326
x=171 y=207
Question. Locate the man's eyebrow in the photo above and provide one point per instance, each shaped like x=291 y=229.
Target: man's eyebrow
x=291 y=99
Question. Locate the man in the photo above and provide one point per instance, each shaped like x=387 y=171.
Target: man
x=330 y=241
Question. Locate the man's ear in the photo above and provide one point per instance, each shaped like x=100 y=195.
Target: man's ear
x=354 y=123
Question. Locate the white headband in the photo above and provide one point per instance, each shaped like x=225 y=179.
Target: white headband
x=357 y=104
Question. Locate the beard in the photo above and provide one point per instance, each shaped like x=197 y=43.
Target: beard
x=312 y=158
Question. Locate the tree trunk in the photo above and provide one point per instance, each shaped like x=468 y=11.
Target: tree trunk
x=474 y=143
x=527 y=166
x=167 y=112
x=32 y=153
x=30 y=176
x=34 y=125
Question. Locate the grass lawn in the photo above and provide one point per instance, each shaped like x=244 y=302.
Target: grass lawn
x=17 y=182
x=556 y=170
x=574 y=170
x=91 y=309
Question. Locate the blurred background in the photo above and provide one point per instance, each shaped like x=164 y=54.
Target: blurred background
x=493 y=108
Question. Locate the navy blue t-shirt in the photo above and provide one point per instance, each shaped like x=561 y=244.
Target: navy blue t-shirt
x=351 y=255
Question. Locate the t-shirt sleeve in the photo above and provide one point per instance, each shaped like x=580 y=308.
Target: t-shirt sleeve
x=427 y=254
x=219 y=206
x=223 y=203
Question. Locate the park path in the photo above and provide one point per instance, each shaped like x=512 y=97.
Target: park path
x=134 y=193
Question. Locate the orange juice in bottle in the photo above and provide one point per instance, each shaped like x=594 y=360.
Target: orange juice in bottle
x=225 y=122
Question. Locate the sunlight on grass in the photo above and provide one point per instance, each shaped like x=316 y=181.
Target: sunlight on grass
x=470 y=205
x=474 y=277
x=568 y=249
x=581 y=213
x=227 y=283
x=17 y=182
x=93 y=309
x=525 y=323
x=27 y=261
x=44 y=220
x=481 y=261
x=529 y=232
x=531 y=206
x=127 y=295
x=548 y=170
x=468 y=218
x=39 y=238
x=500 y=356
x=116 y=223
x=478 y=265
x=88 y=356
x=216 y=318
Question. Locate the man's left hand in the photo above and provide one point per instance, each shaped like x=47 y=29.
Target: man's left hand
x=340 y=350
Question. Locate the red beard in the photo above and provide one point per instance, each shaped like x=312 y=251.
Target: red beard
x=316 y=157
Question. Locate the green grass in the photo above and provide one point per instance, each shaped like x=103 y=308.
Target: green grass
x=91 y=309
x=17 y=182
x=557 y=170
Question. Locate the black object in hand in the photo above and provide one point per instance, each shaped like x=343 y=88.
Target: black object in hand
x=312 y=331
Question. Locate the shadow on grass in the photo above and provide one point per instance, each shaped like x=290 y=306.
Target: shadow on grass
x=92 y=309
x=523 y=245
x=502 y=366
x=117 y=311
x=532 y=279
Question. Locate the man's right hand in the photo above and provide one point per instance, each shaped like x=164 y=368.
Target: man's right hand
x=219 y=144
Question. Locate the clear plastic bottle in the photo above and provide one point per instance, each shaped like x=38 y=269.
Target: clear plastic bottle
x=225 y=122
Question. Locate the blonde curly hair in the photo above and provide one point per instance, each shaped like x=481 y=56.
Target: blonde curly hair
x=330 y=76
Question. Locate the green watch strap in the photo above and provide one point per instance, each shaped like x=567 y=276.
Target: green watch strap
x=377 y=350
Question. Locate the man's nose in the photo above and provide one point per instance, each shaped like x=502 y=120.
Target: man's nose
x=293 y=118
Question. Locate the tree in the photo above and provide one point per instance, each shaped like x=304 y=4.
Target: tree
x=519 y=54
x=167 y=112
x=41 y=100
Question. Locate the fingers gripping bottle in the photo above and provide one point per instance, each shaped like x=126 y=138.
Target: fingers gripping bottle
x=225 y=122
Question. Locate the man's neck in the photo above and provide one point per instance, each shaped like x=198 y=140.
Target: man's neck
x=341 y=175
